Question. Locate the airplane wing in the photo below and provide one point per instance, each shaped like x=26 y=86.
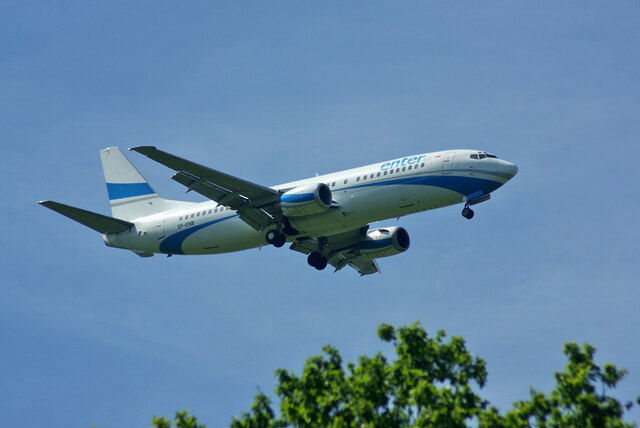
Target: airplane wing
x=98 y=222
x=254 y=203
x=340 y=251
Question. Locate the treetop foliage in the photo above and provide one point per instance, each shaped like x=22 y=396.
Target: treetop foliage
x=431 y=383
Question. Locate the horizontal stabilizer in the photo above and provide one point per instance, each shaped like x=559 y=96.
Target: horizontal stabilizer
x=98 y=222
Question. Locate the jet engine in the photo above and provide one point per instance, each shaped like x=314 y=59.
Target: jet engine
x=384 y=242
x=306 y=200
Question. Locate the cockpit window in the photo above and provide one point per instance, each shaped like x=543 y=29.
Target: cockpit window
x=482 y=155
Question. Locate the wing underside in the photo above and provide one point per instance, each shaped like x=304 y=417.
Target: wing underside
x=340 y=250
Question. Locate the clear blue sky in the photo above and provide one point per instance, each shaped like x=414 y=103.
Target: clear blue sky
x=277 y=91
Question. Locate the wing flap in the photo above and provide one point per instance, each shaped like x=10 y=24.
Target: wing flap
x=364 y=266
x=256 y=218
x=195 y=172
x=252 y=201
x=98 y=222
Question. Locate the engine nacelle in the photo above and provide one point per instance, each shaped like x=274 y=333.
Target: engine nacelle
x=306 y=200
x=385 y=242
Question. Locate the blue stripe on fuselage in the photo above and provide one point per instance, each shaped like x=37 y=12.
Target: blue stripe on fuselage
x=128 y=190
x=173 y=244
x=462 y=185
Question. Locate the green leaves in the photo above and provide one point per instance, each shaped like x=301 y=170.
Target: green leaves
x=431 y=383
x=182 y=420
x=261 y=415
x=427 y=385
x=575 y=401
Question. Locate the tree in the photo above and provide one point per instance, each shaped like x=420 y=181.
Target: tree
x=182 y=420
x=431 y=383
x=575 y=401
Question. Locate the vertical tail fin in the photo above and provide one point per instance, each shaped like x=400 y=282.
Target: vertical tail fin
x=129 y=193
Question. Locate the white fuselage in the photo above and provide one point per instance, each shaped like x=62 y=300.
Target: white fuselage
x=361 y=196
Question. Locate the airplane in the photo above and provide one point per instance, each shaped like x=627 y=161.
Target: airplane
x=326 y=217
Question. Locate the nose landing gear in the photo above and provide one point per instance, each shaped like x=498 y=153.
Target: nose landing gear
x=467 y=212
x=480 y=196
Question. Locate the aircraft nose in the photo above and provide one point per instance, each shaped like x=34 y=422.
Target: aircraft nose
x=508 y=169
x=511 y=169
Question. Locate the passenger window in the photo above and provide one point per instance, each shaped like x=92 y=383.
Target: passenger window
x=180 y=218
x=333 y=184
x=193 y=215
x=390 y=171
x=364 y=177
x=378 y=175
x=410 y=167
x=422 y=165
x=198 y=214
x=404 y=168
x=397 y=169
x=372 y=175
x=358 y=179
x=345 y=181
x=385 y=173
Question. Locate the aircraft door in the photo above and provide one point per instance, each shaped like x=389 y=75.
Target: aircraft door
x=160 y=228
x=447 y=162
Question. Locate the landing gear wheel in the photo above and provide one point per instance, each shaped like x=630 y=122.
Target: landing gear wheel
x=271 y=236
x=317 y=261
x=322 y=264
x=314 y=259
x=467 y=213
x=280 y=240
x=276 y=239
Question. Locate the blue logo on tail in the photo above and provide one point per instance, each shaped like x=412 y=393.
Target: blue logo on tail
x=128 y=190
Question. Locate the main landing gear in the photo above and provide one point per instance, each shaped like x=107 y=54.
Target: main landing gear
x=317 y=260
x=467 y=212
x=275 y=238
